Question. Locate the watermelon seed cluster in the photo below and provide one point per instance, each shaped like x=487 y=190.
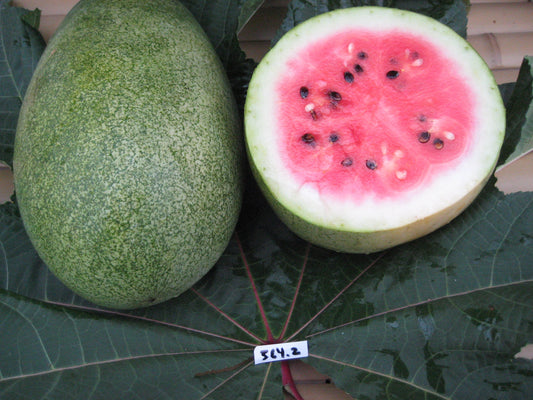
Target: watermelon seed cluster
x=438 y=143
x=333 y=98
x=425 y=136
x=358 y=68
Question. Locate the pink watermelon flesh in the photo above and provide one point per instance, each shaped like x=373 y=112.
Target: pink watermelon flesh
x=368 y=114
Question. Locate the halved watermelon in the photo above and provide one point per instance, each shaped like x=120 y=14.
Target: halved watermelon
x=369 y=127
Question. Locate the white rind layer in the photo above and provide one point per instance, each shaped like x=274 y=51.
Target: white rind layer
x=387 y=221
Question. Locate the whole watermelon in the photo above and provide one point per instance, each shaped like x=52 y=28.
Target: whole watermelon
x=128 y=155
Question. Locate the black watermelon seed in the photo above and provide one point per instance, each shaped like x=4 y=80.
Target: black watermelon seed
x=348 y=77
x=438 y=143
x=422 y=118
x=304 y=92
x=393 y=74
x=335 y=96
x=333 y=137
x=308 y=138
x=347 y=162
x=362 y=55
x=371 y=164
x=358 y=68
x=313 y=115
x=423 y=137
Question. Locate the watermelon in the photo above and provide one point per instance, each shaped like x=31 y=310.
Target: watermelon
x=368 y=127
x=128 y=153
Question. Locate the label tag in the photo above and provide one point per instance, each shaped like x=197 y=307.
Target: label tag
x=280 y=352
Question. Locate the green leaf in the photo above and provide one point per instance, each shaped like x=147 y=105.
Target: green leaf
x=21 y=46
x=506 y=90
x=417 y=353
x=432 y=319
x=450 y=12
x=519 y=131
x=220 y=19
x=69 y=353
x=32 y=18
x=248 y=9
x=452 y=309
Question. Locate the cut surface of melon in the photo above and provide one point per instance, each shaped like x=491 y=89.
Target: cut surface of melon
x=368 y=127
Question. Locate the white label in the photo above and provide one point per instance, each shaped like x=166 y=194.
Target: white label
x=280 y=352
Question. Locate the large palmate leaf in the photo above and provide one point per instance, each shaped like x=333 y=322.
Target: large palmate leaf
x=20 y=49
x=441 y=317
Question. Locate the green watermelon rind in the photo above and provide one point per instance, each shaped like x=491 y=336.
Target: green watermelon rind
x=379 y=224
x=128 y=154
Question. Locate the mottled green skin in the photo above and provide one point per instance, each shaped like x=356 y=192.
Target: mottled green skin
x=128 y=154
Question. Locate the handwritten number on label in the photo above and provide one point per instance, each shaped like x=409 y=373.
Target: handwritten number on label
x=280 y=351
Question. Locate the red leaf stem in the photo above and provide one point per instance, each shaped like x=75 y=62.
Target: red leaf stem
x=151 y=320
x=287 y=380
x=270 y=336
x=219 y=310
x=296 y=292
